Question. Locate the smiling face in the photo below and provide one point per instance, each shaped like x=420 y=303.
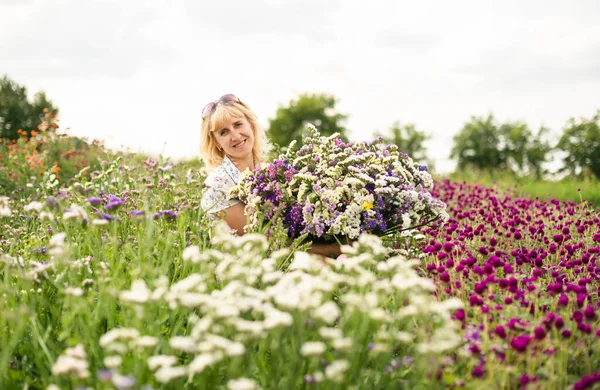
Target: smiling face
x=235 y=137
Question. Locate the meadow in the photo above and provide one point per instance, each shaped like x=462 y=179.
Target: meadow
x=113 y=277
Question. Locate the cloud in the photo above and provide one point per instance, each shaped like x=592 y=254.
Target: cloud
x=74 y=39
x=232 y=19
x=403 y=40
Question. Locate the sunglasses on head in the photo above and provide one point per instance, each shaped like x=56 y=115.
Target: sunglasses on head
x=210 y=108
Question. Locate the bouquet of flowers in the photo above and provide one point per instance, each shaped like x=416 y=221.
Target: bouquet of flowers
x=330 y=189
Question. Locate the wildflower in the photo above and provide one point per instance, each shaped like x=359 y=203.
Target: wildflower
x=105 y=375
x=146 y=342
x=167 y=373
x=342 y=344
x=539 y=332
x=335 y=371
x=75 y=291
x=73 y=361
x=113 y=361
x=4 y=209
x=114 y=202
x=242 y=384
x=191 y=254
x=478 y=371
x=157 y=361
x=203 y=361
x=75 y=211
x=35 y=206
x=500 y=331
x=313 y=348
x=93 y=201
x=139 y=293
x=328 y=312
x=123 y=382
x=520 y=343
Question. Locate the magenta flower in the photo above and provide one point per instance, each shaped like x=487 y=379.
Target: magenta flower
x=500 y=331
x=540 y=333
x=520 y=343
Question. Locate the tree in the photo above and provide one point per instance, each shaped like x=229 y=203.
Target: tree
x=319 y=109
x=17 y=112
x=408 y=139
x=581 y=143
x=477 y=145
x=511 y=146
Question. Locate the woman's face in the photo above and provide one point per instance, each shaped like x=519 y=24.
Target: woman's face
x=236 y=138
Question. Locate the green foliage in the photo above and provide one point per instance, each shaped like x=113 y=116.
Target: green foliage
x=512 y=146
x=319 y=109
x=17 y=112
x=408 y=139
x=581 y=143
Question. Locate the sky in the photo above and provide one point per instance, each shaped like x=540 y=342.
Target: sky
x=137 y=74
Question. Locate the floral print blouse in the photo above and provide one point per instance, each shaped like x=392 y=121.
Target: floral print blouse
x=219 y=182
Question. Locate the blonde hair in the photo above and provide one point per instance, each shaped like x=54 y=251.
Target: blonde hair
x=226 y=113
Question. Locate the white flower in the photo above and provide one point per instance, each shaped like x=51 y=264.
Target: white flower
x=330 y=333
x=204 y=360
x=146 y=342
x=118 y=334
x=75 y=291
x=100 y=222
x=183 y=343
x=161 y=361
x=167 y=373
x=191 y=253
x=277 y=319
x=4 y=209
x=342 y=344
x=57 y=240
x=335 y=370
x=404 y=337
x=35 y=206
x=242 y=384
x=72 y=362
x=47 y=215
x=139 y=293
x=313 y=348
x=328 y=312
x=75 y=211
x=113 y=361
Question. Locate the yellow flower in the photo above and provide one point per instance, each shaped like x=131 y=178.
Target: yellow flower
x=367 y=206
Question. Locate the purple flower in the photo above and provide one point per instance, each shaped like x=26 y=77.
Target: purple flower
x=114 y=202
x=94 y=200
x=520 y=343
x=105 y=375
x=124 y=382
x=500 y=331
x=539 y=332
x=478 y=371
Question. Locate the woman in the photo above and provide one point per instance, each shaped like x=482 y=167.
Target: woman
x=231 y=141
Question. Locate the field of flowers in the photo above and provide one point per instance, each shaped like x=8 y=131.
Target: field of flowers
x=117 y=279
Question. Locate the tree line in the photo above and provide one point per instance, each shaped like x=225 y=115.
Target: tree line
x=482 y=143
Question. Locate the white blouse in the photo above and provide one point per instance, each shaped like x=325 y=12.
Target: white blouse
x=219 y=182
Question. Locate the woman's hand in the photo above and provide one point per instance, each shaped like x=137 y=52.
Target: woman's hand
x=235 y=217
x=327 y=250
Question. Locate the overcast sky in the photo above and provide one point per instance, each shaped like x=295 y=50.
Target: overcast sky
x=138 y=73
